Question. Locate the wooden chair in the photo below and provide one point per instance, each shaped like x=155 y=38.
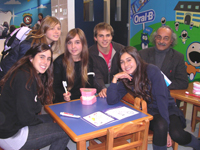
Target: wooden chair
x=141 y=104
x=122 y=140
x=138 y=104
x=195 y=119
x=114 y=134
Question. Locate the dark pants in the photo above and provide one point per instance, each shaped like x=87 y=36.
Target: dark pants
x=159 y=127
x=44 y=134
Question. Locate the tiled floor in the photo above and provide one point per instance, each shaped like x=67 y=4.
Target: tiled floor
x=72 y=146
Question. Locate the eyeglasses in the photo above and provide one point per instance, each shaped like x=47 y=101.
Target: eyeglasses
x=166 y=38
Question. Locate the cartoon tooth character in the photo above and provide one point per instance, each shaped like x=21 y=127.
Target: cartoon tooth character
x=191 y=25
x=145 y=41
x=193 y=57
x=163 y=21
x=176 y=25
x=184 y=36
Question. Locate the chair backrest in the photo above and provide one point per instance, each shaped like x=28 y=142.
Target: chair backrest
x=142 y=105
x=126 y=131
x=139 y=103
x=140 y=141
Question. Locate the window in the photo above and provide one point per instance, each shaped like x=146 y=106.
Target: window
x=88 y=10
x=189 y=6
x=118 y=10
x=182 y=6
x=197 y=7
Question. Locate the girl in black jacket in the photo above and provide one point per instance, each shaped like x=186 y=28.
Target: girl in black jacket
x=73 y=67
x=147 y=82
x=48 y=33
x=25 y=88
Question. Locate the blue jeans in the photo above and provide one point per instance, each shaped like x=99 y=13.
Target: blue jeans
x=46 y=133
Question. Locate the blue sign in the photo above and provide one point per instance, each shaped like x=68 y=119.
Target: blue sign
x=143 y=17
x=148 y=30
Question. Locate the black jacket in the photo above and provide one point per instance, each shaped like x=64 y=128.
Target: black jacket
x=18 y=106
x=173 y=66
x=102 y=75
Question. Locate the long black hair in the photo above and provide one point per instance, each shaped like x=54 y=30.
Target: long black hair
x=140 y=82
x=44 y=81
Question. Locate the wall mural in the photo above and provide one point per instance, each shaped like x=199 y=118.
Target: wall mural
x=16 y=12
x=182 y=16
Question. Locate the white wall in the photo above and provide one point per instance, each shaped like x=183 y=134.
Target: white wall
x=64 y=11
x=1 y=45
x=71 y=14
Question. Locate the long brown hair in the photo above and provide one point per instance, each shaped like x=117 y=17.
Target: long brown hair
x=140 y=82
x=39 y=36
x=44 y=81
x=68 y=61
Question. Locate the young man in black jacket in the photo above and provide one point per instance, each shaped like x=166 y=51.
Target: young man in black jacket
x=105 y=56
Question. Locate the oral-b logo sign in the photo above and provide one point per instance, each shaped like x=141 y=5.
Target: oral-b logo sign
x=143 y=17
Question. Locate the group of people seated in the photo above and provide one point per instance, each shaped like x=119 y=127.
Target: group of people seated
x=6 y=30
x=35 y=80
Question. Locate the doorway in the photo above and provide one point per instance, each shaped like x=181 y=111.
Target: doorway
x=187 y=19
x=119 y=20
x=87 y=14
x=117 y=17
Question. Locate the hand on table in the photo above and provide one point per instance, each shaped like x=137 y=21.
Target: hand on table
x=103 y=93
